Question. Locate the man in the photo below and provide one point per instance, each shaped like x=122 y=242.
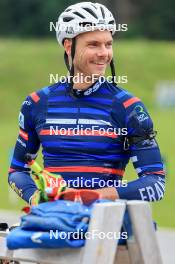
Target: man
x=96 y=155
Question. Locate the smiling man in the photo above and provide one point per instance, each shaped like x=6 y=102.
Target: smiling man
x=94 y=54
x=76 y=123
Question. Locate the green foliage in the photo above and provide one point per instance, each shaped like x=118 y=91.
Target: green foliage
x=156 y=19
x=30 y=18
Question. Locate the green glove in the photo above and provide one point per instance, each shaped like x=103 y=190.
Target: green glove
x=48 y=184
x=38 y=197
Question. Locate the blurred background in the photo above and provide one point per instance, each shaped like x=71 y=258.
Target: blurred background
x=145 y=53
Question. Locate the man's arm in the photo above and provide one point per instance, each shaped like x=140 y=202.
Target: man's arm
x=109 y=193
x=27 y=142
x=145 y=155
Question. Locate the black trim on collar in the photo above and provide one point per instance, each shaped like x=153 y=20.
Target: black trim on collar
x=81 y=93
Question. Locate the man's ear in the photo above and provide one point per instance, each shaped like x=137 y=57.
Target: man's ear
x=67 y=46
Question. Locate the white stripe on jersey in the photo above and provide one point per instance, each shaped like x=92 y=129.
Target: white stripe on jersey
x=93 y=122
x=61 y=121
x=80 y=121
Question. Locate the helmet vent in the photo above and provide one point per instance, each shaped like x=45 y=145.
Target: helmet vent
x=78 y=14
x=67 y=19
x=84 y=24
x=90 y=11
x=93 y=5
x=111 y=22
x=102 y=11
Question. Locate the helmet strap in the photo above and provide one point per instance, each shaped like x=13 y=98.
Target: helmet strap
x=113 y=71
x=66 y=60
x=72 y=66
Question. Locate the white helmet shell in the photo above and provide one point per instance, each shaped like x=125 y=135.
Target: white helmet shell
x=84 y=17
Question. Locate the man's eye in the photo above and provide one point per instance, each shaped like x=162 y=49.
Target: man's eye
x=108 y=45
x=92 y=44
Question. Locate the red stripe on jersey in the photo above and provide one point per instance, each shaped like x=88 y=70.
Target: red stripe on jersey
x=23 y=134
x=131 y=101
x=69 y=132
x=156 y=172
x=85 y=169
x=35 y=97
x=11 y=170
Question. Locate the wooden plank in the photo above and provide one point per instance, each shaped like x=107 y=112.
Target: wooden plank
x=107 y=217
x=122 y=256
x=4 y=252
x=134 y=252
x=44 y=256
x=49 y=256
x=3 y=233
x=143 y=229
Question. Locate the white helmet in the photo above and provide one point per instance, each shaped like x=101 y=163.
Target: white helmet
x=84 y=17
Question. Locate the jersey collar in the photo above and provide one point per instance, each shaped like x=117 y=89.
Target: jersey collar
x=82 y=93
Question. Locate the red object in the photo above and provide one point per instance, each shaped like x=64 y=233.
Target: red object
x=11 y=170
x=131 y=101
x=26 y=209
x=83 y=196
x=44 y=132
x=35 y=97
x=23 y=134
x=85 y=169
x=53 y=193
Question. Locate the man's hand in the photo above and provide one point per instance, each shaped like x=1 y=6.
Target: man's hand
x=52 y=184
x=44 y=179
x=38 y=197
x=108 y=193
x=48 y=194
x=49 y=185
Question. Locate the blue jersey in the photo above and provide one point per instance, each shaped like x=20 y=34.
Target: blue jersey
x=89 y=139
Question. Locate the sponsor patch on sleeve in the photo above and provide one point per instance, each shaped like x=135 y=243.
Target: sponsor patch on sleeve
x=21 y=120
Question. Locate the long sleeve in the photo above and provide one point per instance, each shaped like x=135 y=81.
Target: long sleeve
x=145 y=155
x=27 y=142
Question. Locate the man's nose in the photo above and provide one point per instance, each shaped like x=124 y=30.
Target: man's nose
x=102 y=51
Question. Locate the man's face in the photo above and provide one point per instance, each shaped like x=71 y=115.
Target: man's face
x=93 y=52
